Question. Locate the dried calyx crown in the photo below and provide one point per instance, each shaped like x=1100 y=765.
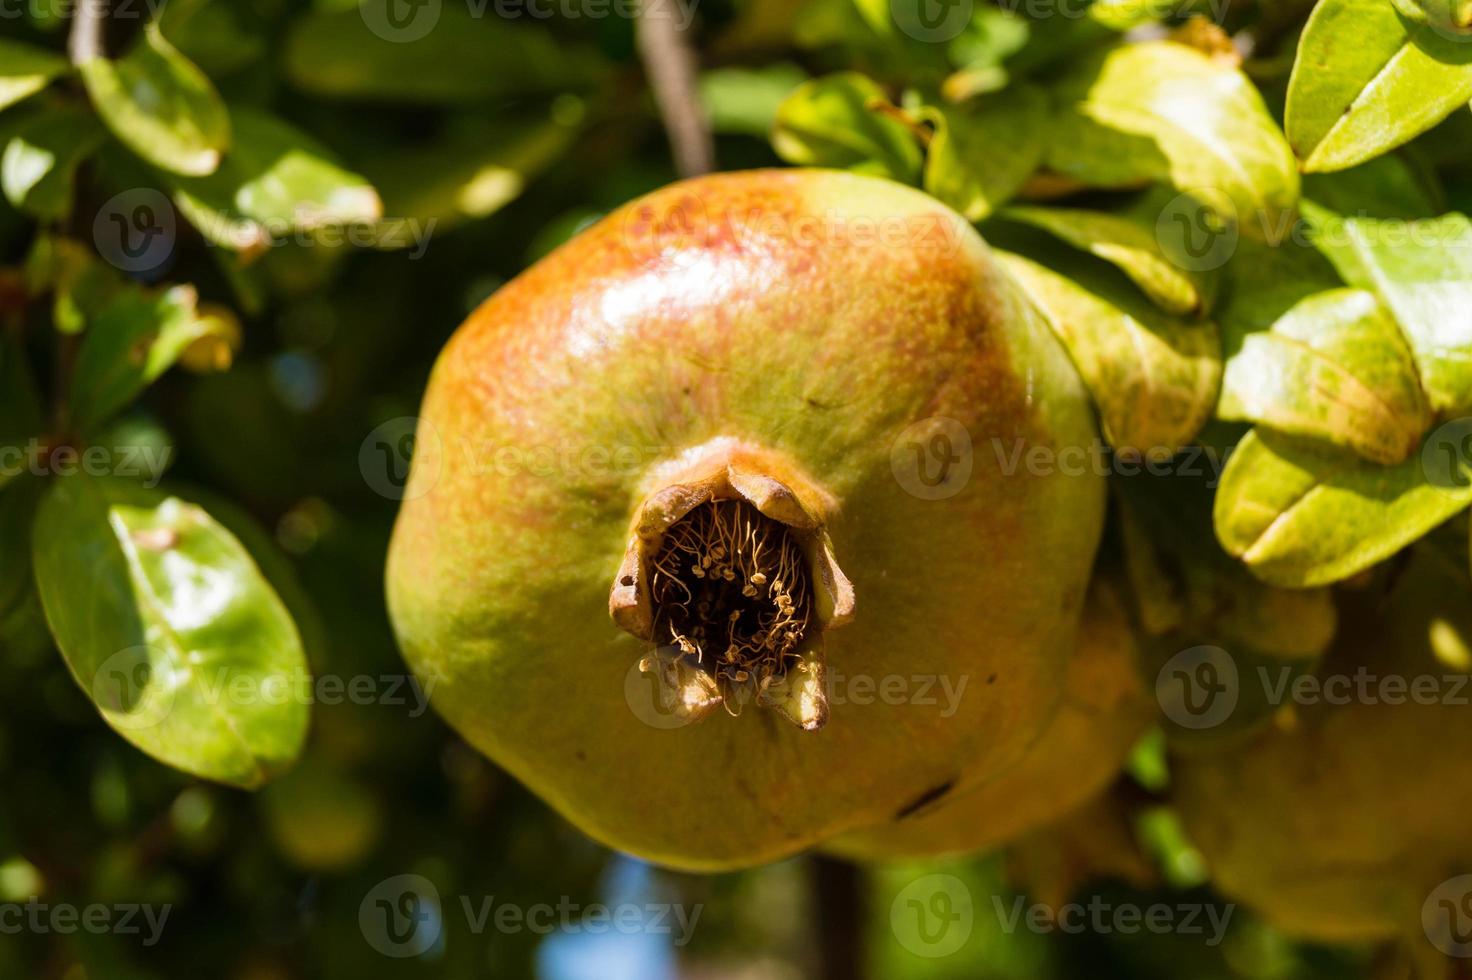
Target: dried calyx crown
x=730 y=578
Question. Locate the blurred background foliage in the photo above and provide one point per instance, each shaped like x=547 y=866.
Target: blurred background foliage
x=460 y=157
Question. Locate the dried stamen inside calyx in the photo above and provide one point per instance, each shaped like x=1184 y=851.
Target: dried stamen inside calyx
x=730 y=578
x=730 y=589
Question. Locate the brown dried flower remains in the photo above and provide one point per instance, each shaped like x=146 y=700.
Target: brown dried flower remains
x=730 y=590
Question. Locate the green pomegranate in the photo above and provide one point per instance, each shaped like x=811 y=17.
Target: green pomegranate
x=709 y=507
x=1341 y=821
x=1105 y=710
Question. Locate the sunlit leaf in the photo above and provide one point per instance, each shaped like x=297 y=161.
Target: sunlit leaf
x=274 y=180
x=1367 y=80
x=160 y=105
x=1160 y=111
x=1302 y=514
x=25 y=70
x=1131 y=242
x=983 y=152
x=1153 y=378
x=169 y=627
x=132 y=341
x=838 y=121
x=745 y=100
x=40 y=161
x=1335 y=367
x=1422 y=271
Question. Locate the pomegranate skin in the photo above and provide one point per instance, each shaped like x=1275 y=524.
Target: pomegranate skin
x=828 y=327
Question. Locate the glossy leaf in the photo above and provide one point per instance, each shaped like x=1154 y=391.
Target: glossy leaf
x=745 y=100
x=1302 y=514
x=1335 y=367
x=25 y=70
x=833 y=122
x=1132 y=244
x=1391 y=186
x=463 y=177
x=132 y=341
x=275 y=179
x=442 y=54
x=170 y=628
x=1153 y=378
x=1422 y=271
x=983 y=152
x=1160 y=111
x=160 y=106
x=1367 y=80
x=40 y=161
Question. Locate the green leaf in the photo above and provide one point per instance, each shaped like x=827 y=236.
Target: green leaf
x=160 y=106
x=443 y=53
x=1335 y=367
x=463 y=176
x=1367 y=80
x=1160 y=111
x=832 y=122
x=1131 y=242
x=1303 y=514
x=745 y=100
x=19 y=498
x=1391 y=186
x=274 y=180
x=983 y=152
x=40 y=161
x=132 y=341
x=1422 y=271
x=1263 y=282
x=25 y=70
x=1153 y=378
x=169 y=626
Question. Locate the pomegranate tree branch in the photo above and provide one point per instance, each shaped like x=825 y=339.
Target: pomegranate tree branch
x=86 y=39
x=670 y=64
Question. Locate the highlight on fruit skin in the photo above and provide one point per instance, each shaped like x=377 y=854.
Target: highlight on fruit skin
x=1106 y=709
x=806 y=375
x=1339 y=822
